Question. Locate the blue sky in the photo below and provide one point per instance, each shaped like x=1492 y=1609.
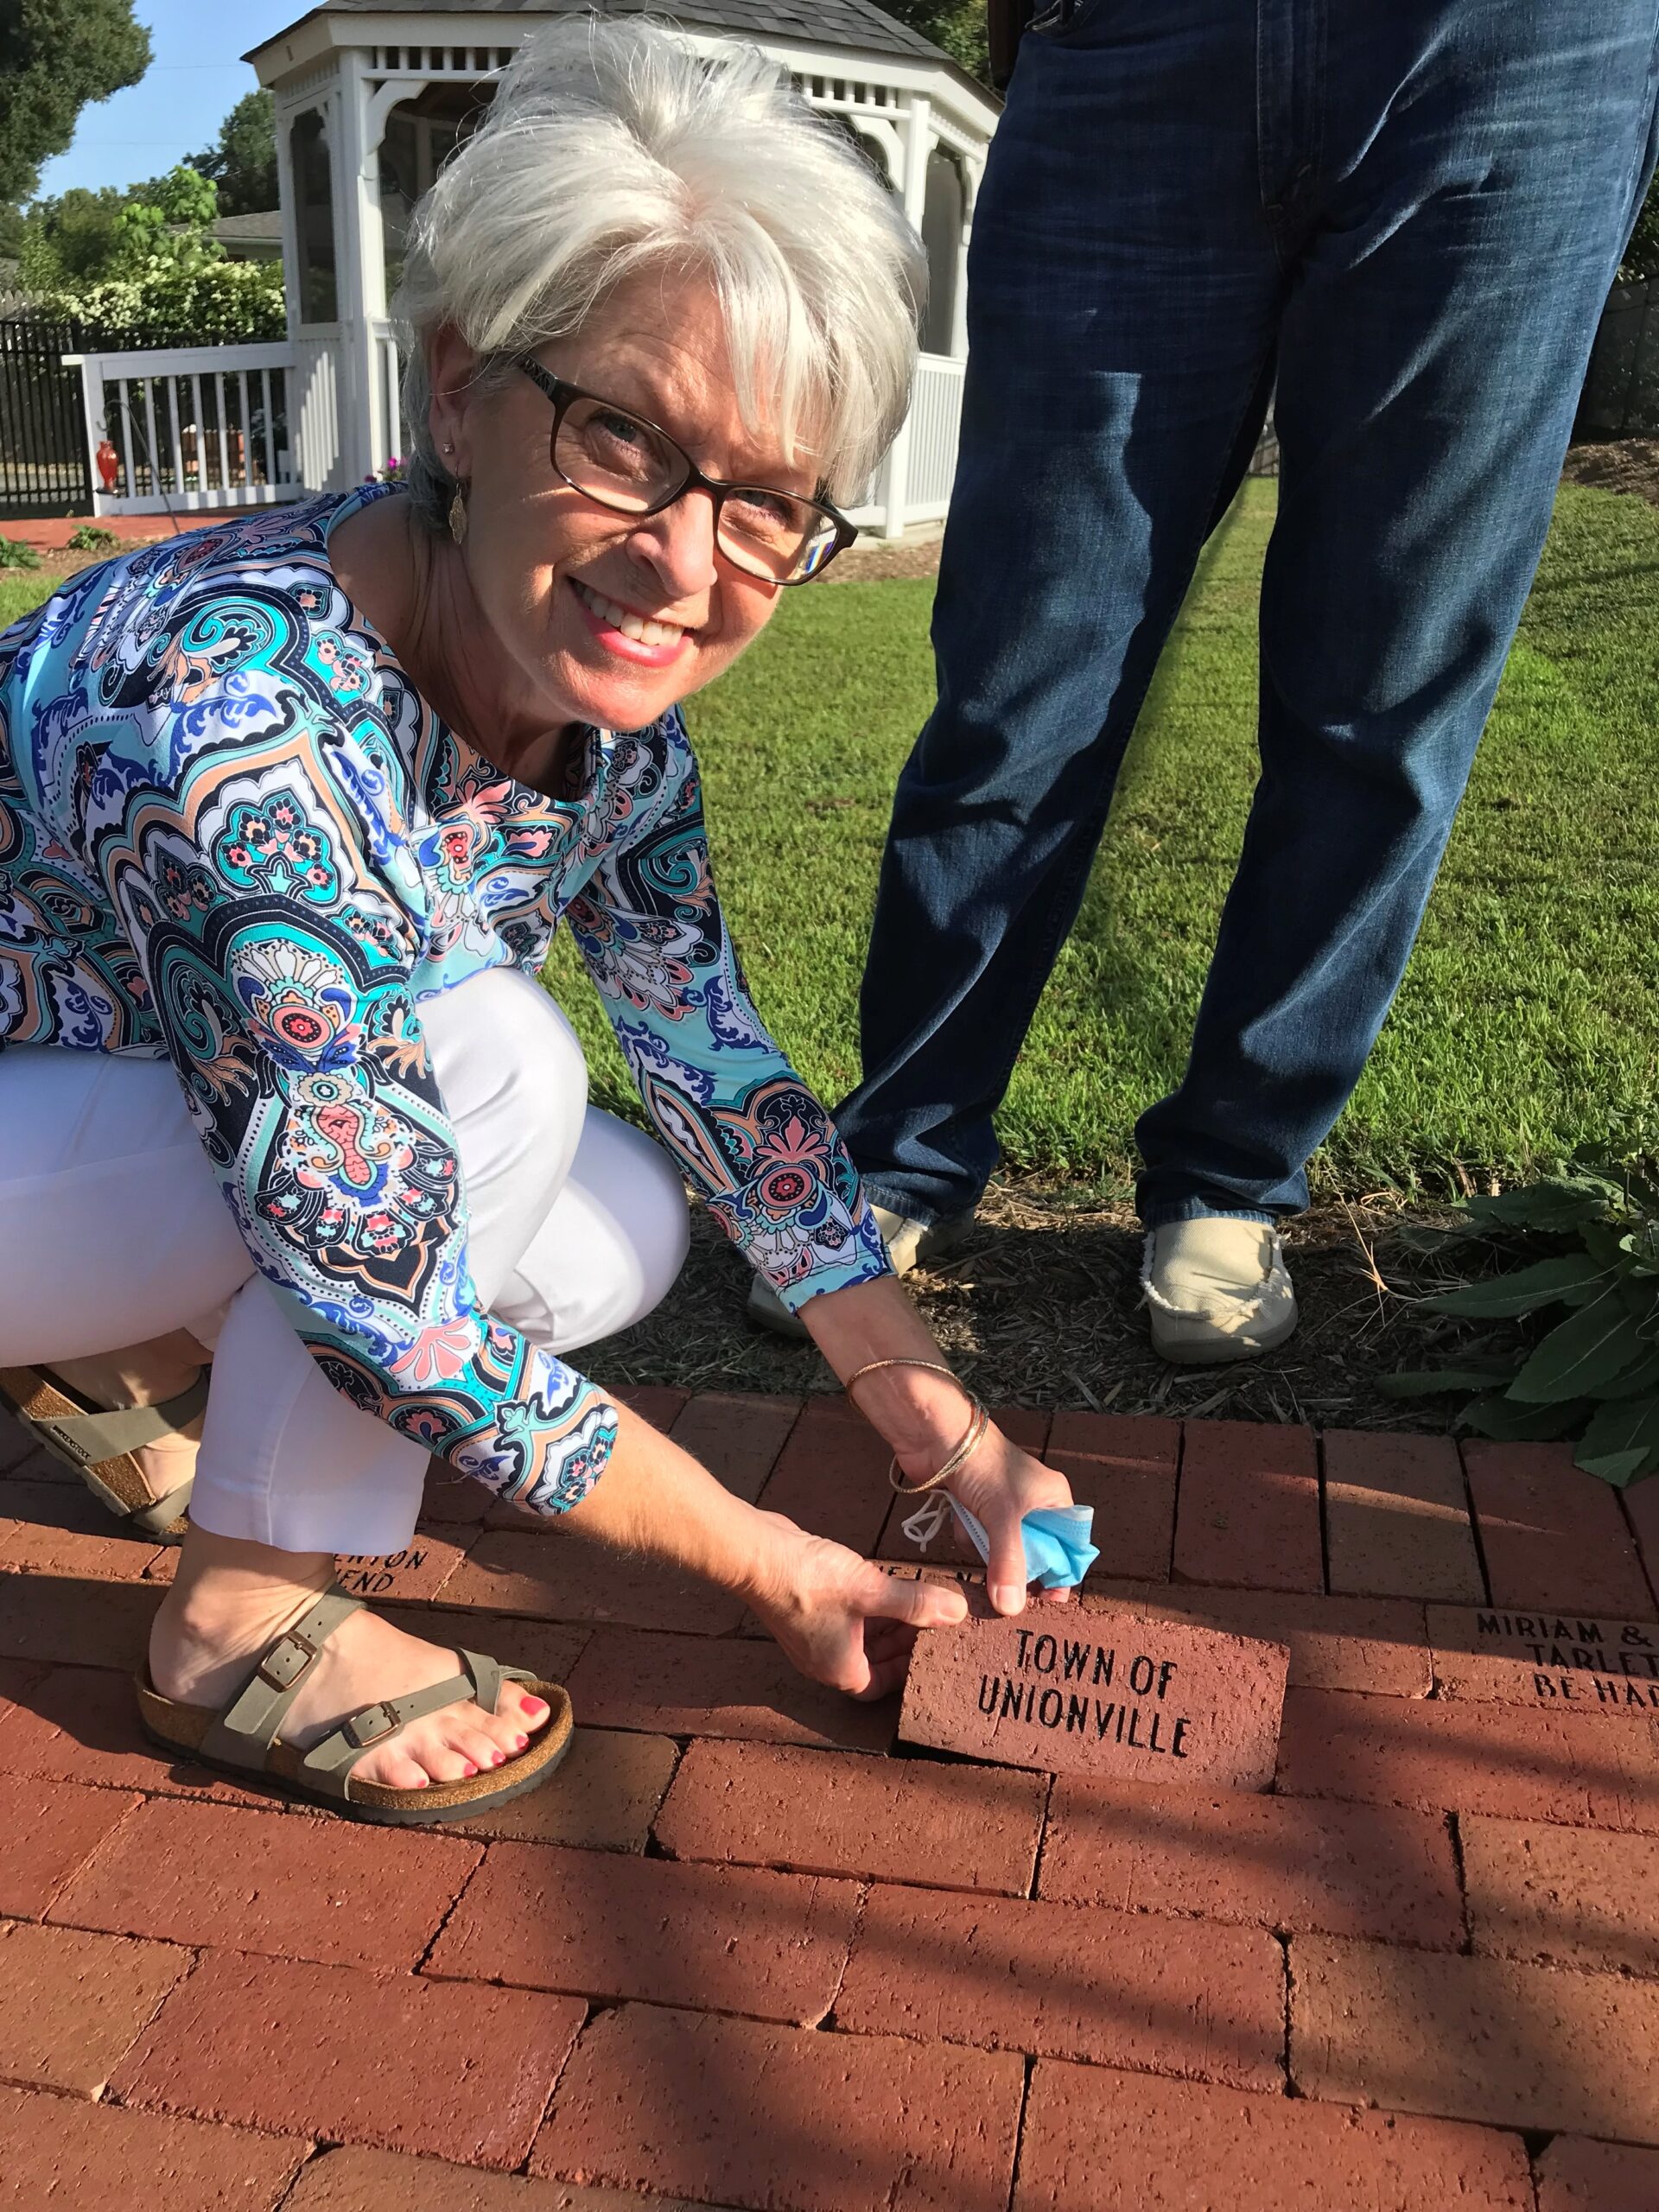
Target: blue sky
x=195 y=77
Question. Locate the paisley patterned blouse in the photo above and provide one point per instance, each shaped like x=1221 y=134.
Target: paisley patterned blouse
x=232 y=832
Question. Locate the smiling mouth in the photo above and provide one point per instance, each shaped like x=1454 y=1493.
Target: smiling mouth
x=644 y=630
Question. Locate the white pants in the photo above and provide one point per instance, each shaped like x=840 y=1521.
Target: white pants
x=113 y=1230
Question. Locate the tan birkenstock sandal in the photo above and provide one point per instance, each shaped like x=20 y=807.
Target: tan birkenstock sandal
x=242 y=1738
x=100 y=1445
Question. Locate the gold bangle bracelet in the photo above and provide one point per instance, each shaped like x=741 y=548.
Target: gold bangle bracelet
x=927 y=1366
x=978 y=1424
x=964 y=1451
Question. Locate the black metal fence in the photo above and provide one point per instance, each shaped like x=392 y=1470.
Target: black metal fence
x=1621 y=392
x=43 y=462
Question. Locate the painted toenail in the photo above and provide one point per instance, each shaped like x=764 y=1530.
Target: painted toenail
x=521 y=1743
x=535 y=1707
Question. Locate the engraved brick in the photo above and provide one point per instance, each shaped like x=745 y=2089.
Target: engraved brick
x=1100 y=1692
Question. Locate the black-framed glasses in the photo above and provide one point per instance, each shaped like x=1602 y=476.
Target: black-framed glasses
x=620 y=461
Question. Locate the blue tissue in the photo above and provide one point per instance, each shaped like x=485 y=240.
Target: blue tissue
x=1058 y=1551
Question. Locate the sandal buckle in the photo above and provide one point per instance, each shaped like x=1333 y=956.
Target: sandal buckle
x=276 y=1669
x=362 y=1735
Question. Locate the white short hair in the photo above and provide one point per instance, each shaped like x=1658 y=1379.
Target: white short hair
x=615 y=147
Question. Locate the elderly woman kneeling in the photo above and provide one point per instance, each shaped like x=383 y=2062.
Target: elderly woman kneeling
x=294 y=804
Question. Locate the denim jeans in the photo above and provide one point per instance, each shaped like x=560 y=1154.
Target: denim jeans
x=1401 y=219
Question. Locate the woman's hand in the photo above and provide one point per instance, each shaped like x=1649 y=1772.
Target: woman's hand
x=999 y=1486
x=840 y=1619
x=871 y=1332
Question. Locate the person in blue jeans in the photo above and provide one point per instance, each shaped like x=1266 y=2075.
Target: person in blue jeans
x=1401 y=222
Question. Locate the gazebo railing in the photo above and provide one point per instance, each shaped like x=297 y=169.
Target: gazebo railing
x=206 y=427
x=935 y=427
x=201 y=428
x=913 y=483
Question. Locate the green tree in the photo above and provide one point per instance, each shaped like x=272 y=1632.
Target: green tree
x=242 y=162
x=168 y=281
x=73 y=238
x=165 y=280
x=81 y=238
x=56 y=56
x=167 y=224
x=957 y=26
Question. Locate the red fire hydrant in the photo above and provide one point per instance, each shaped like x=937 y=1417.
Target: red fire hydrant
x=109 y=463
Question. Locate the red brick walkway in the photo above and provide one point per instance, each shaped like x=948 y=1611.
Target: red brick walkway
x=746 y=1951
x=52 y=533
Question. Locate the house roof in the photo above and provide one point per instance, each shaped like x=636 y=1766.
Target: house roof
x=249 y=229
x=858 y=25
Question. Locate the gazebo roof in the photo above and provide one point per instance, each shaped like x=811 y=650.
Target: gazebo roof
x=859 y=26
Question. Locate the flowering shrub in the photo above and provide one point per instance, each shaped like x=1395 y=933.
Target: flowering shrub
x=392 y=472
x=211 y=303
x=164 y=279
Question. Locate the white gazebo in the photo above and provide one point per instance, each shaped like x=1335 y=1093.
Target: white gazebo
x=370 y=99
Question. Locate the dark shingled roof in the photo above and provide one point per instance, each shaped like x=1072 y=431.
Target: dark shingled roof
x=850 y=23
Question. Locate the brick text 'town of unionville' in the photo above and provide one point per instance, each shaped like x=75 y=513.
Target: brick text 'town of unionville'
x=1068 y=1703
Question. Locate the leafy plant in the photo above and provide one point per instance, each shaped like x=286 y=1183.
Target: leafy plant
x=213 y=303
x=1592 y=1374
x=147 y=268
x=72 y=239
x=16 y=554
x=91 y=537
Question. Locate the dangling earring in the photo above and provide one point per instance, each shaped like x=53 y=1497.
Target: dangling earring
x=458 y=515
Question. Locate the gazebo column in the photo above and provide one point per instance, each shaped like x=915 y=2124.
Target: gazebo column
x=369 y=418
x=359 y=284
x=918 y=139
x=971 y=174
x=385 y=435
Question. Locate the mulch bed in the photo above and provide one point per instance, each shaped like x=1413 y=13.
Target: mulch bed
x=1620 y=465
x=1043 y=1308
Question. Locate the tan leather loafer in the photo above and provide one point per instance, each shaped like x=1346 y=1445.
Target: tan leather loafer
x=1217 y=1290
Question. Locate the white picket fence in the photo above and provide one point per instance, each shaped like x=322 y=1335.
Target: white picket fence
x=212 y=427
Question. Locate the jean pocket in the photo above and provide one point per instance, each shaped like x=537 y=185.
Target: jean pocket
x=1057 y=19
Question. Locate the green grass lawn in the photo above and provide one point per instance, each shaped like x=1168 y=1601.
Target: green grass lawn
x=1529 y=1021
x=19 y=589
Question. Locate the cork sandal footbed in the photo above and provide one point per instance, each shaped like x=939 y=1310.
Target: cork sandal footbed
x=181 y=1728
x=33 y=1395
